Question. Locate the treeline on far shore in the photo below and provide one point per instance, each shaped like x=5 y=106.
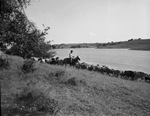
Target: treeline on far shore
x=132 y=44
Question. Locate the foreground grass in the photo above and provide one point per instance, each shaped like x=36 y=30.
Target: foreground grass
x=59 y=91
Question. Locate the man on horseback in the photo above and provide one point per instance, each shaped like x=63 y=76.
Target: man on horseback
x=71 y=60
x=71 y=56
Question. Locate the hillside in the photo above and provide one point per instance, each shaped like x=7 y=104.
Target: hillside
x=131 y=44
x=136 y=44
x=58 y=91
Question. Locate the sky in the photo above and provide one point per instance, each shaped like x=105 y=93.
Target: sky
x=91 y=21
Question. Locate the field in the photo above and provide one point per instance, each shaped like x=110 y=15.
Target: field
x=65 y=91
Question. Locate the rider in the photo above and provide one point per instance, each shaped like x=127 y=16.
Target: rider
x=70 y=55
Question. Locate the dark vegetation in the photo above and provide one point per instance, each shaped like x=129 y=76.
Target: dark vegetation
x=28 y=66
x=33 y=101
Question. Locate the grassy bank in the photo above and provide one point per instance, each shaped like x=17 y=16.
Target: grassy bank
x=59 y=91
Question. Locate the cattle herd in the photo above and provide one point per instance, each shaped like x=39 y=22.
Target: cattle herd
x=127 y=74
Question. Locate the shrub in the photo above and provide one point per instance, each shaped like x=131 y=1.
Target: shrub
x=57 y=73
x=35 y=101
x=57 y=76
x=72 y=81
x=28 y=66
x=4 y=64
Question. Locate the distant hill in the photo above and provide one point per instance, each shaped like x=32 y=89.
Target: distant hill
x=137 y=44
x=132 y=44
x=75 y=45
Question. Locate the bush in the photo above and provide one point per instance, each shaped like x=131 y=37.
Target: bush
x=57 y=76
x=4 y=64
x=72 y=81
x=28 y=66
x=59 y=73
x=35 y=101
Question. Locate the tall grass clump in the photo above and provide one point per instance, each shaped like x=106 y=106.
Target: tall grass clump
x=57 y=76
x=28 y=66
x=32 y=102
x=35 y=101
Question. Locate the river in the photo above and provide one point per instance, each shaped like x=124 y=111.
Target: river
x=122 y=59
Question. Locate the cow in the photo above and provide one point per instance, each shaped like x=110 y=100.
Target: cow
x=41 y=60
x=140 y=75
x=48 y=60
x=60 y=62
x=83 y=65
x=147 y=78
x=116 y=73
x=34 y=59
x=54 y=60
x=128 y=74
x=91 y=67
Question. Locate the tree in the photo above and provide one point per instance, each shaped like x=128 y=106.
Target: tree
x=19 y=34
x=12 y=21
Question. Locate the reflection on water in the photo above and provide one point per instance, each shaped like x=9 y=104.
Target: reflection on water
x=122 y=59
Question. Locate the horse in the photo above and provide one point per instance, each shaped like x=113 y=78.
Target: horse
x=67 y=61
x=75 y=61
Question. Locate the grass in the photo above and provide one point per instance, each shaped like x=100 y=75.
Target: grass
x=58 y=91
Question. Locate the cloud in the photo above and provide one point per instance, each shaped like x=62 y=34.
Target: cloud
x=92 y=34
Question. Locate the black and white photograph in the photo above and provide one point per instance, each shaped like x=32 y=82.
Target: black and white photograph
x=75 y=57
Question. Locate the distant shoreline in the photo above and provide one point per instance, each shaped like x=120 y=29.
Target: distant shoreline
x=137 y=44
x=110 y=48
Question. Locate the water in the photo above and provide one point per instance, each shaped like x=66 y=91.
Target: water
x=122 y=59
